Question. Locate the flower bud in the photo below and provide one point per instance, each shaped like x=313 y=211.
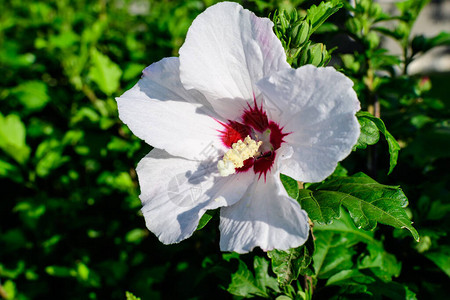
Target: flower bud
x=316 y=54
x=300 y=33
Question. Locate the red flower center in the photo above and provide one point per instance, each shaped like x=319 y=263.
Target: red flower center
x=254 y=122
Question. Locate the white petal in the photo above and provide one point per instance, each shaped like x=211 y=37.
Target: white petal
x=227 y=50
x=160 y=111
x=317 y=106
x=265 y=217
x=175 y=193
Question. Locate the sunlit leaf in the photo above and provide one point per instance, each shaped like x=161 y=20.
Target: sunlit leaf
x=320 y=13
x=367 y=201
x=291 y=186
x=130 y=296
x=32 y=94
x=104 y=72
x=12 y=138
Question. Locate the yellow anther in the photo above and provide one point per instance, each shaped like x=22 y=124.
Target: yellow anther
x=235 y=157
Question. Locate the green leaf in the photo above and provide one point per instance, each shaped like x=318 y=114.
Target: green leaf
x=345 y=226
x=244 y=284
x=353 y=276
x=32 y=94
x=333 y=253
x=50 y=157
x=263 y=279
x=104 y=72
x=59 y=271
x=441 y=257
x=422 y=44
x=290 y=264
x=291 y=186
x=130 y=296
x=207 y=216
x=12 y=138
x=338 y=261
x=367 y=201
x=321 y=206
x=319 y=14
x=132 y=71
x=136 y=235
x=10 y=171
x=369 y=133
x=383 y=264
x=368 y=136
x=8 y=290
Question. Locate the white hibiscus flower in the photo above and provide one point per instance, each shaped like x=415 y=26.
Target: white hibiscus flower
x=226 y=118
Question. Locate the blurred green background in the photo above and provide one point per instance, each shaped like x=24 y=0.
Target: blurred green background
x=70 y=226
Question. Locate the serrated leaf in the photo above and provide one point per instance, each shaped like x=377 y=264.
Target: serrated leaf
x=12 y=138
x=291 y=186
x=263 y=279
x=243 y=283
x=394 y=147
x=367 y=201
x=104 y=72
x=290 y=264
x=345 y=225
x=319 y=14
x=322 y=207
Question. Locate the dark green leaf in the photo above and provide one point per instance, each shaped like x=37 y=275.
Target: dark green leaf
x=353 y=276
x=60 y=271
x=367 y=201
x=333 y=253
x=394 y=147
x=369 y=133
x=291 y=186
x=441 y=257
x=322 y=206
x=243 y=282
x=288 y=265
x=422 y=44
x=263 y=279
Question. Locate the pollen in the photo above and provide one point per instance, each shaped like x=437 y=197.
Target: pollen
x=235 y=157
